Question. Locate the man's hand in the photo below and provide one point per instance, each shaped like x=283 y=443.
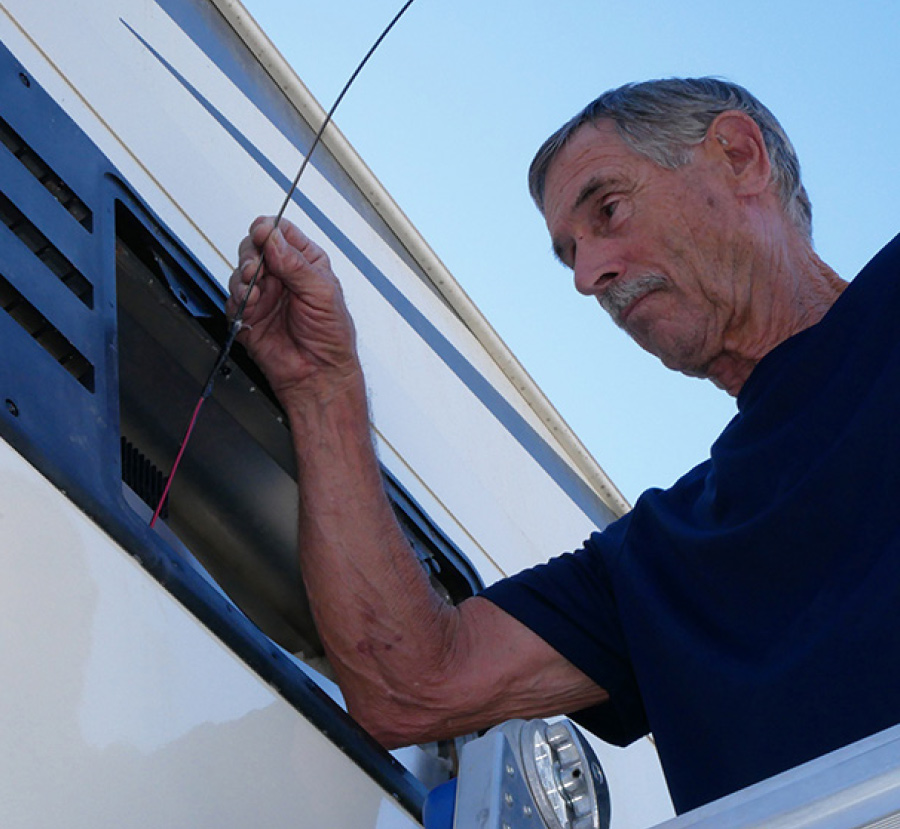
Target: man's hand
x=295 y=325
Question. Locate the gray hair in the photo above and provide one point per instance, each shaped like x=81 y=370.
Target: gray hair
x=664 y=120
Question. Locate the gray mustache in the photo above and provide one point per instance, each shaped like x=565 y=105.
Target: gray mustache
x=619 y=295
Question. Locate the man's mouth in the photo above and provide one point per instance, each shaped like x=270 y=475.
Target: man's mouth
x=620 y=299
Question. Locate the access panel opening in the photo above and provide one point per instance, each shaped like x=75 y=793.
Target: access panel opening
x=232 y=504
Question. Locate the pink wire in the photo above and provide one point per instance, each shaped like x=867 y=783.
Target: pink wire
x=171 y=477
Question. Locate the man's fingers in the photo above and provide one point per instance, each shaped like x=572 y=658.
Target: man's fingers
x=239 y=282
x=281 y=257
x=260 y=229
x=286 y=247
x=300 y=264
x=297 y=239
x=252 y=267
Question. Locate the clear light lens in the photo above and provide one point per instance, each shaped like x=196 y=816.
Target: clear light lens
x=549 y=777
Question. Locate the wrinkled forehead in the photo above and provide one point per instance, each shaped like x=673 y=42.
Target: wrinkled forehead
x=559 y=145
x=594 y=157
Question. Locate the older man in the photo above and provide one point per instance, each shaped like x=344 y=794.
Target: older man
x=750 y=615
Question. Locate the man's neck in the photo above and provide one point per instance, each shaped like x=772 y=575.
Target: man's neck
x=793 y=291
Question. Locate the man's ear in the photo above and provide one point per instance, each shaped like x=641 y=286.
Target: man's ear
x=736 y=139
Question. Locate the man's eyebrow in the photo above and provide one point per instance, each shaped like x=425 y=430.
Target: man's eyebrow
x=592 y=186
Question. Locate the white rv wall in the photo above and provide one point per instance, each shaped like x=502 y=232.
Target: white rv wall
x=118 y=709
x=450 y=425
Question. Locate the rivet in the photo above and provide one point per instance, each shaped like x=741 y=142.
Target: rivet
x=12 y=408
x=26 y=81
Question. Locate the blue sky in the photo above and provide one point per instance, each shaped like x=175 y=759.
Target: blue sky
x=450 y=111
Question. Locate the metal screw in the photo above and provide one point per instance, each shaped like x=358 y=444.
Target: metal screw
x=509 y=799
x=12 y=408
x=25 y=79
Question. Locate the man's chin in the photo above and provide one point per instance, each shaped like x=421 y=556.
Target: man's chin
x=674 y=359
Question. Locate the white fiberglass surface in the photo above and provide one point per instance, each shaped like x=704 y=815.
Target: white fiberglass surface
x=501 y=506
x=421 y=362
x=119 y=709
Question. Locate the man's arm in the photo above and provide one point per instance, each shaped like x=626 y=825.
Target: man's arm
x=411 y=667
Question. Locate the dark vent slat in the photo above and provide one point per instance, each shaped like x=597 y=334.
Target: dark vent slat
x=40 y=246
x=32 y=164
x=35 y=240
x=78 y=209
x=12 y=142
x=143 y=477
x=45 y=334
x=62 y=193
x=42 y=171
x=28 y=317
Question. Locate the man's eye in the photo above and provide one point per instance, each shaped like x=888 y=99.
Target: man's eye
x=609 y=209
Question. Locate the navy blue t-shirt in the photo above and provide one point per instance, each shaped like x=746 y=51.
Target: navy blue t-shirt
x=750 y=615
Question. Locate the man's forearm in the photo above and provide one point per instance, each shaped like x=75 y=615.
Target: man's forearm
x=411 y=667
x=386 y=633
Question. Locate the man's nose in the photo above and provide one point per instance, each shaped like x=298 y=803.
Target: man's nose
x=595 y=268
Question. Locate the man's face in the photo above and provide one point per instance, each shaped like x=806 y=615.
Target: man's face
x=660 y=249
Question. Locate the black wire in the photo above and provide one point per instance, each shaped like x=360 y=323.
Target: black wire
x=287 y=199
x=236 y=321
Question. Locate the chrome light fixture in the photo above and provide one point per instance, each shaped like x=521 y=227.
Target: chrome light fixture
x=524 y=775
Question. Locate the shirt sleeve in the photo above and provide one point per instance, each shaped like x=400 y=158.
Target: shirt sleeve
x=570 y=603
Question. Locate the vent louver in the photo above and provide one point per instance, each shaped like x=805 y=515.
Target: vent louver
x=46 y=334
x=43 y=249
x=46 y=176
x=143 y=477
